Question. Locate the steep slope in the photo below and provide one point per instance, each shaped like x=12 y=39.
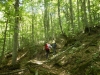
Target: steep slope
x=79 y=57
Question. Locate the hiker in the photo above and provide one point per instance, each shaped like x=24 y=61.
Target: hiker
x=54 y=45
x=47 y=49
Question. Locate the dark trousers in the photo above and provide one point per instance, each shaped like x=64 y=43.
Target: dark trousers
x=47 y=53
x=54 y=50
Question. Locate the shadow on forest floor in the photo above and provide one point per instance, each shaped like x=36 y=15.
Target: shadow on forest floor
x=76 y=56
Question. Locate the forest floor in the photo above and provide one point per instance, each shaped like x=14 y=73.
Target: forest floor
x=75 y=56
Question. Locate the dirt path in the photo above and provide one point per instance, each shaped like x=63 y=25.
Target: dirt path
x=49 y=64
x=45 y=65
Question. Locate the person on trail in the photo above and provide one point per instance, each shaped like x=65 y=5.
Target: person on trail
x=54 y=45
x=47 y=49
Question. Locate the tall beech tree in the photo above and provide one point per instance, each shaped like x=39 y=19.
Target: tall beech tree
x=16 y=31
x=46 y=24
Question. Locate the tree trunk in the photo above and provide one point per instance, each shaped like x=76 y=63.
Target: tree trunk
x=98 y=18
x=78 y=20
x=71 y=15
x=52 y=26
x=84 y=15
x=32 y=21
x=94 y=14
x=46 y=24
x=59 y=16
x=89 y=9
x=2 y=54
x=66 y=12
x=16 y=31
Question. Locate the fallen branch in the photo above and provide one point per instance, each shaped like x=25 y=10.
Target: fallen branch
x=19 y=58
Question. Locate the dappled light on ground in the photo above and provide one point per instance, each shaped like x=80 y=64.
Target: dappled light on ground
x=80 y=56
x=37 y=62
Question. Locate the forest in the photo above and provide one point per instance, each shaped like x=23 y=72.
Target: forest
x=25 y=26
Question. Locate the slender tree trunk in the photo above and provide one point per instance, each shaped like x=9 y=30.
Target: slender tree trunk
x=46 y=19
x=59 y=16
x=94 y=14
x=71 y=15
x=16 y=31
x=78 y=20
x=9 y=47
x=89 y=9
x=32 y=24
x=85 y=21
x=98 y=18
x=48 y=24
x=52 y=26
x=82 y=14
x=45 y=15
x=85 y=14
x=3 y=49
x=66 y=12
x=32 y=29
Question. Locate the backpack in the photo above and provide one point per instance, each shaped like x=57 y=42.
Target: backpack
x=46 y=47
x=54 y=45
